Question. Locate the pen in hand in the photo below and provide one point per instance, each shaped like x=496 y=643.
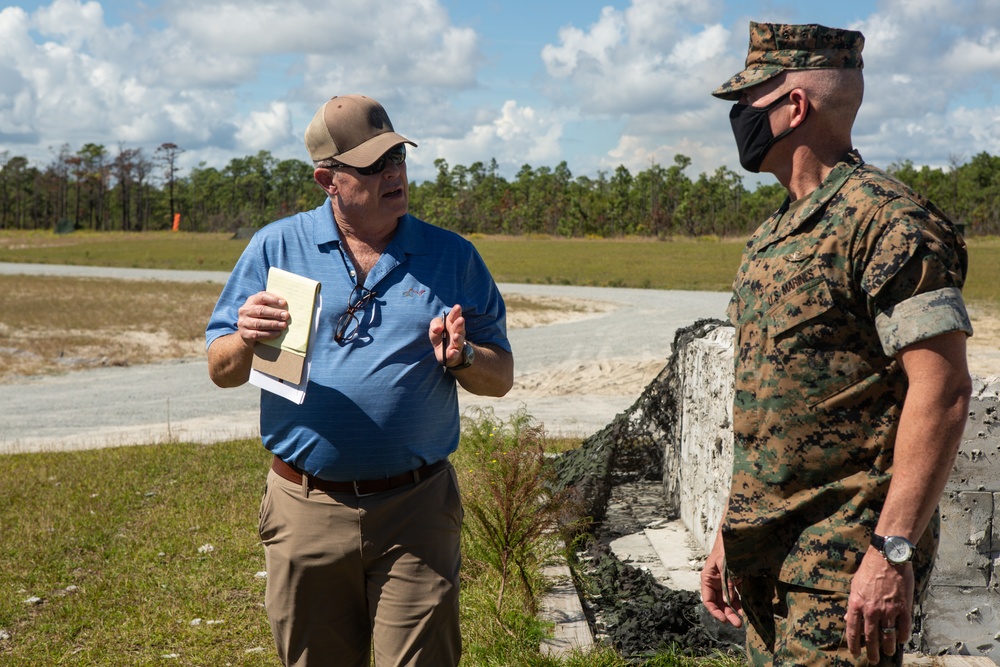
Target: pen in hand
x=444 y=339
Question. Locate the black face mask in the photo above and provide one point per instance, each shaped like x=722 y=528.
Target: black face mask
x=752 y=130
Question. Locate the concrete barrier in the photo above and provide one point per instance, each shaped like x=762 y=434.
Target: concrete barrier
x=961 y=615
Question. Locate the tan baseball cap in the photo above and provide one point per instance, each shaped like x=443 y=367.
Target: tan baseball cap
x=352 y=129
x=776 y=47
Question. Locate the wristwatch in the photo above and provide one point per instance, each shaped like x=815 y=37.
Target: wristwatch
x=895 y=549
x=468 y=356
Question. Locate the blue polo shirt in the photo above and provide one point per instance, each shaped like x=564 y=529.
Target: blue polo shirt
x=380 y=404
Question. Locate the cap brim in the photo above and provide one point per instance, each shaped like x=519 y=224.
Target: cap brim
x=371 y=150
x=748 y=78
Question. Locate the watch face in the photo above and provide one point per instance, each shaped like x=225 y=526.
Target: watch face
x=898 y=550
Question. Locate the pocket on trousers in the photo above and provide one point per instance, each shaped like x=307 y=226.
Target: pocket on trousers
x=263 y=514
x=457 y=498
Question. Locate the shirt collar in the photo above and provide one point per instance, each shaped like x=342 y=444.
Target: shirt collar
x=408 y=240
x=325 y=230
x=783 y=226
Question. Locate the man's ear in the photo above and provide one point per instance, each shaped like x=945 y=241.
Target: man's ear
x=324 y=178
x=800 y=99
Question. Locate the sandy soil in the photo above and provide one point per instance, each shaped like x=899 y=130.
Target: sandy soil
x=984 y=346
x=624 y=377
x=613 y=377
x=598 y=376
x=527 y=311
x=584 y=355
x=616 y=377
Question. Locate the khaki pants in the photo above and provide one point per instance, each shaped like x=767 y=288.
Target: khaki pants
x=346 y=575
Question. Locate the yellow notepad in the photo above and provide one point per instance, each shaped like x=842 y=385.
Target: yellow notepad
x=284 y=357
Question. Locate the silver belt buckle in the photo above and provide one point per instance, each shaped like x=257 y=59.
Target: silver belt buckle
x=357 y=492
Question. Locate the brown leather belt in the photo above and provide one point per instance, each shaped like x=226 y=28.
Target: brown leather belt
x=362 y=487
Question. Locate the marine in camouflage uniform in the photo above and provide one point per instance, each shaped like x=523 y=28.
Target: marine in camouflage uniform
x=833 y=289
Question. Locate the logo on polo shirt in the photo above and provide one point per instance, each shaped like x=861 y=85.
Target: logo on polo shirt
x=412 y=292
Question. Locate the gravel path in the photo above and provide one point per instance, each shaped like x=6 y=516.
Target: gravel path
x=177 y=401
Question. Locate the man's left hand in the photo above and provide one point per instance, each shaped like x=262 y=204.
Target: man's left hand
x=881 y=598
x=447 y=334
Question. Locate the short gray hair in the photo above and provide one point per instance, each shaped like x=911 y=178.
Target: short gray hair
x=839 y=91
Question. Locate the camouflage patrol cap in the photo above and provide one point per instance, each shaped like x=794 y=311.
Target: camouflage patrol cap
x=776 y=47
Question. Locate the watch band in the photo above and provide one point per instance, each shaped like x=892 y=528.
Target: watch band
x=468 y=356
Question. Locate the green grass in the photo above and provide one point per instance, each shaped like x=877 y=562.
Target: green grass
x=155 y=250
x=127 y=527
x=686 y=264
x=114 y=544
x=679 y=263
x=983 y=284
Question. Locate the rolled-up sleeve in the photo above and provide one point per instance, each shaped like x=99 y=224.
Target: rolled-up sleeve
x=913 y=274
x=921 y=317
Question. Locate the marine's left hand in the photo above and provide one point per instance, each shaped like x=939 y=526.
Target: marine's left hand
x=451 y=354
x=718 y=592
x=881 y=598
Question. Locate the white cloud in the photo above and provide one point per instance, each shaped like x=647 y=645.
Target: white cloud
x=624 y=85
x=17 y=96
x=652 y=55
x=930 y=69
x=257 y=27
x=578 y=48
x=654 y=63
x=636 y=155
x=979 y=54
x=188 y=73
x=936 y=140
x=524 y=131
x=356 y=43
x=71 y=78
x=75 y=22
x=515 y=136
x=703 y=136
x=265 y=130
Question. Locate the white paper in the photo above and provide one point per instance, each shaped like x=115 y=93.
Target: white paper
x=295 y=393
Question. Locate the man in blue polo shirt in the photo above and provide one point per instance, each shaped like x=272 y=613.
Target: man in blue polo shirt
x=360 y=520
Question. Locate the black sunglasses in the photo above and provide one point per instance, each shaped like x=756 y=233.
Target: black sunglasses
x=396 y=155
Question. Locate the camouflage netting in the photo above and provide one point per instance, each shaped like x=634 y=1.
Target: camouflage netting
x=637 y=614
x=632 y=446
x=642 y=617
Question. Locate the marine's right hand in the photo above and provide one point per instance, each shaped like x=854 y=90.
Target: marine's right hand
x=262 y=317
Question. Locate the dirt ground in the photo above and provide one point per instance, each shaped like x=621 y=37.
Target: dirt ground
x=630 y=377
x=984 y=346
x=619 y=377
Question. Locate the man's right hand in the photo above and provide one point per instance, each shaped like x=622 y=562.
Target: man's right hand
x=262 y=317
x=714 y=593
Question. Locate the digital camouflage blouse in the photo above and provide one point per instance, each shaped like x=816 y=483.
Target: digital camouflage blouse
x=830 y=289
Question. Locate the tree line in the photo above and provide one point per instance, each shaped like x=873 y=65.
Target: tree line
x=133 y=190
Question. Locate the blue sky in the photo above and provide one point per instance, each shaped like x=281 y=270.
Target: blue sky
x=594 y=83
